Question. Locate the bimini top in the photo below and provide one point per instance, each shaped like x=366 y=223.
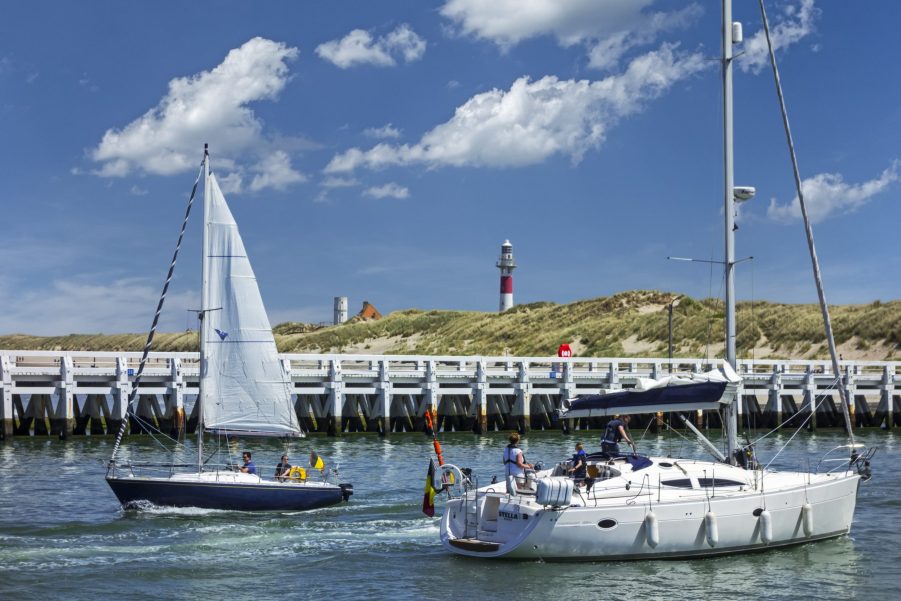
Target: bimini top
x=711 y=390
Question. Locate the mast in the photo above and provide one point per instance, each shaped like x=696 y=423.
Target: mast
x=730 y=413
x=204 y=301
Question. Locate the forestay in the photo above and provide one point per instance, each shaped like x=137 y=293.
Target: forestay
x=244 y=387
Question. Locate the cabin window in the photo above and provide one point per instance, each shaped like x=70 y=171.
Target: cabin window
x=679 y=483
x=718 y=482
x=607 y=524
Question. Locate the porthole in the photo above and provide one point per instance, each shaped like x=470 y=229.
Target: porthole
x=607 y=524
x=665 y=464
x=757 y=512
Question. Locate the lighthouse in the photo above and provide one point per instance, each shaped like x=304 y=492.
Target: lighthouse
x=506 y=264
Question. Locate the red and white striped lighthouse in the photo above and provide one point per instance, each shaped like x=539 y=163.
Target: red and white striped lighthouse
x=506 y=264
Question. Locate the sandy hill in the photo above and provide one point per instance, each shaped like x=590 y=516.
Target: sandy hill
x=625 y=324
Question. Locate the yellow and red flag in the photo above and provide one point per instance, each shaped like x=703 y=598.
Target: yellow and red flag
x=428 y=499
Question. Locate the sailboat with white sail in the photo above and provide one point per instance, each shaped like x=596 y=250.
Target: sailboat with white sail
x=632 y=506
x=245 y=390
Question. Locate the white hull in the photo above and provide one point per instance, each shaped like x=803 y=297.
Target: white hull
x=612 y=521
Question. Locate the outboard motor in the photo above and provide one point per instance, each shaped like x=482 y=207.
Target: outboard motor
x=347 y=489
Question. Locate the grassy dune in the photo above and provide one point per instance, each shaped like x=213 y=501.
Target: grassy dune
x=626 y=324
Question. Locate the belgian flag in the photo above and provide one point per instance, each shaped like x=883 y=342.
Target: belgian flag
x=428 y=499
x=316 y=461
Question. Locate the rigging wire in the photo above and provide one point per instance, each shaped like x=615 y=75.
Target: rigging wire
x=753 y=321
x=824 y=308
x=798 y=431
x=787 y=420
x=156 y=319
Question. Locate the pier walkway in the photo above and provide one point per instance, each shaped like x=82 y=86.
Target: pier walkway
x=79 y=393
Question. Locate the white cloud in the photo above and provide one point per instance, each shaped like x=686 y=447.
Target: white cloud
x=533 y=120
x=828 y=193
x=211 y=106
x=508 y=22
x=797 y=24
x=231 y=183
x=606 y=53
x=86 y=83
x=389 y=190
x=359 y=48
x=339 y=182
x=73 y=306
x=385 y=132
x=275 y=172
x=137 y=191
x=608 y=29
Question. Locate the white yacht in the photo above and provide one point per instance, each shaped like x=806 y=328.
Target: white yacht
x=635 y=507
x=638 y=507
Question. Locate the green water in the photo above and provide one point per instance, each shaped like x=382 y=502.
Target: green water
x=63 y=535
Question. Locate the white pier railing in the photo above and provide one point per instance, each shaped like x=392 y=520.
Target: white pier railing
x=65 y=393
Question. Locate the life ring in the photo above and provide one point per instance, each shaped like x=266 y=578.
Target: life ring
x=297 y=474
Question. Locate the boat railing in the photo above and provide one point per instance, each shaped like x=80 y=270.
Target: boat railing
x=144 y=468
x=165 y=469
x=847 y=462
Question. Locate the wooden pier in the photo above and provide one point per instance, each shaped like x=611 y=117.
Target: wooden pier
x=82 y=393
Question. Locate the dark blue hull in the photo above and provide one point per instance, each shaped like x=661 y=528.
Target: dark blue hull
x=235 y=496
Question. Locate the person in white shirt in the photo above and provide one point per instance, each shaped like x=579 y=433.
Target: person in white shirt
x=514 y=463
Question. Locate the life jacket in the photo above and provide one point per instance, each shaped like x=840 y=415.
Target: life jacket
x=510 y=460
x=612 y=434
x=580 y=471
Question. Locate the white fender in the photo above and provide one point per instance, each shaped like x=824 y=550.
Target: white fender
x=766 y=526
x=652 y=529
x=711 y=529
x=807 y=518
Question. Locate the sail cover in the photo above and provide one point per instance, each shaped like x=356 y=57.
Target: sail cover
x=711 y=390
x=244 y=387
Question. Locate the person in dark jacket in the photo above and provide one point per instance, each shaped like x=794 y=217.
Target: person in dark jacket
x=283 y=469
x=616 y=431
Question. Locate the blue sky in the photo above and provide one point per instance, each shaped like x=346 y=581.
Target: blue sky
x=384 y=150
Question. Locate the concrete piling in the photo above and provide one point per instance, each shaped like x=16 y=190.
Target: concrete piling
x=68 y=394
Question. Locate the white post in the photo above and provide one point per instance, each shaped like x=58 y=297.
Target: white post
x=336 y=396
x=175 y=404
x=64 y=415
x=123 y=390
x=524 y=394
x=480 y=399
x=432 y=398
x=384 y=395
x=7 y=424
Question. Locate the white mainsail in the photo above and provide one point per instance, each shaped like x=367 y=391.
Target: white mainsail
x=244 y=389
